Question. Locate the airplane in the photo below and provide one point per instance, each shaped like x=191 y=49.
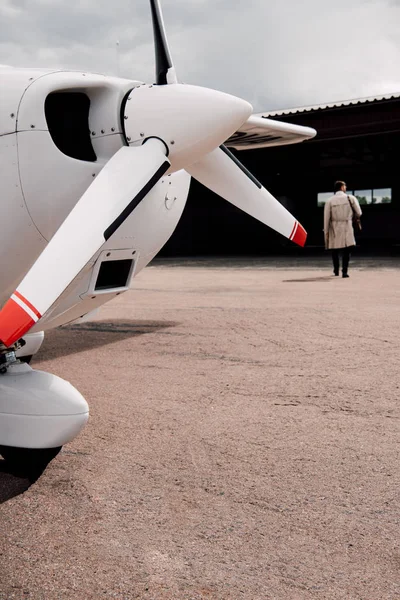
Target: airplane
x=95 y=173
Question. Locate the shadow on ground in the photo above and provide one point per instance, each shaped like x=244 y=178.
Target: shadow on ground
x=15 y=480
x=21 y=467
x=12 y=484
x=309 y=279
x=75 y=338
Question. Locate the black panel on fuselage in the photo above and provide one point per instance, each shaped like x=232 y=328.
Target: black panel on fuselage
x=67 y=116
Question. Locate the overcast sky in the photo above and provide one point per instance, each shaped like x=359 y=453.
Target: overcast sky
x=273 y=54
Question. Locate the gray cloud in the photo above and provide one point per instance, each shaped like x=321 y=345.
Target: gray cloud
x=273 y=54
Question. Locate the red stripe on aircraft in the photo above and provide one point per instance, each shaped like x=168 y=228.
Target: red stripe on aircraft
x=293 y=230
x=29 y=305
x=300 y=236
x=14 y=322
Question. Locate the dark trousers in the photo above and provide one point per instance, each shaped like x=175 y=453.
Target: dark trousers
x=345 y=260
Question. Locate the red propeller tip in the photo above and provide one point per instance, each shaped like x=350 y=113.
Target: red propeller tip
x=16 y=318
x=299 y=235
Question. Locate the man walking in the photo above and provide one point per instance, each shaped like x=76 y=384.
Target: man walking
x=338 y=226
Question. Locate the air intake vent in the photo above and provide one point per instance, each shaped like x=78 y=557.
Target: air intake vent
x=113 y=274
x=67 y=116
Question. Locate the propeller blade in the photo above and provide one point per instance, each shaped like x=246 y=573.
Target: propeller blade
x=225 y=175
x=165 y=70
x=122 y=183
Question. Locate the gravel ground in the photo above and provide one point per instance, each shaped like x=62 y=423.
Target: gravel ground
x=243 y=442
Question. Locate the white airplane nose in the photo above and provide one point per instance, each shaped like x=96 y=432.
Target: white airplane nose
x=191 y=120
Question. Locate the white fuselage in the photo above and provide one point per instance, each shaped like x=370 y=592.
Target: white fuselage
x=57 y=131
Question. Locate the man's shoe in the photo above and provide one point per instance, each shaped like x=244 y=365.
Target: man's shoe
x=345 y=275
x=336 y=274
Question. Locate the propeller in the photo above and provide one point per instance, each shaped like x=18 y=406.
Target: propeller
x=109 y=200
x=165 y=70
x=225 y=175
x=188 y=124
x=220 y=170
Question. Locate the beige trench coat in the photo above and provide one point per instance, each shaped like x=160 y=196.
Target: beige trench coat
x=338 y=221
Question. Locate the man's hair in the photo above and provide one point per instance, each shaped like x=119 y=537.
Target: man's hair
x=338 y=185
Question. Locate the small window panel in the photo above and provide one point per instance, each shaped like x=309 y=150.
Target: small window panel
x=382 y=196
x=363 y=196
x=323 y=197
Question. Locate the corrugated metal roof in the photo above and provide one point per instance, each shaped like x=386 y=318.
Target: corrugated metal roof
x=338 y=104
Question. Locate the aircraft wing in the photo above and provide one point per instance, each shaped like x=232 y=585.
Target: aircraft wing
x=261 y=132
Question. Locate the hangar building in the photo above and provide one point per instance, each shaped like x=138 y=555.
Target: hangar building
x=357 y=141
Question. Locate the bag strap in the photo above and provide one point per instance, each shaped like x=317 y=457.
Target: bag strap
x=352 y=208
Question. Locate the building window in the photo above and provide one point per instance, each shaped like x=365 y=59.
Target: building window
x=382 y=196
x=324 y=197
x=363 y=196
x=371 y=196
